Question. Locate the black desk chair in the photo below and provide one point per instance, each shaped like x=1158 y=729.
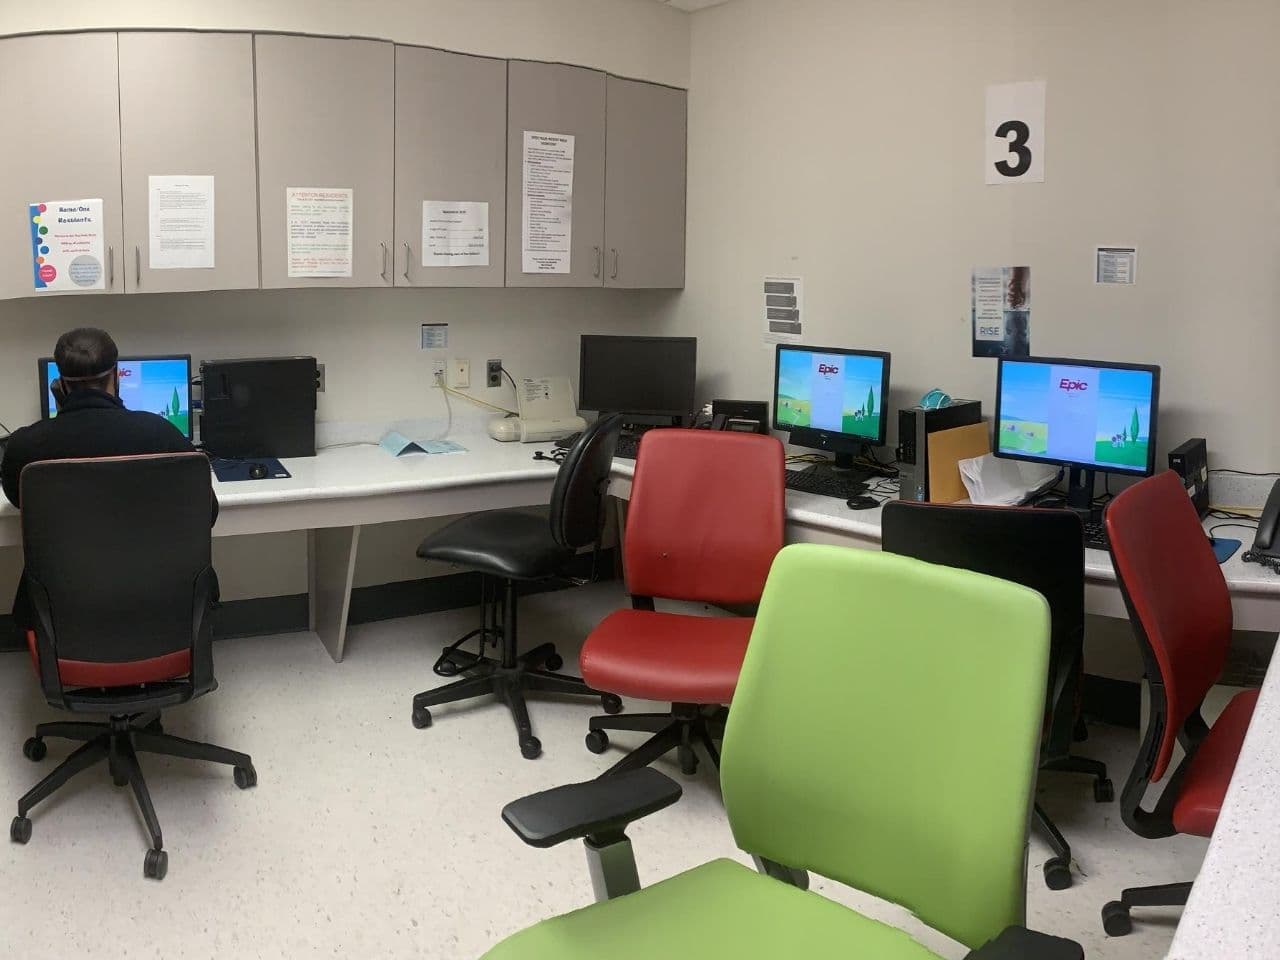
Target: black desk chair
x=1040 y=549
x=119 y=572
x=509 y=546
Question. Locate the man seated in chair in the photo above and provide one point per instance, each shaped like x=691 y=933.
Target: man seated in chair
x=91 y=422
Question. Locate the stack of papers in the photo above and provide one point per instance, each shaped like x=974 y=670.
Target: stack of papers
x=397 y=444
x=996 y=481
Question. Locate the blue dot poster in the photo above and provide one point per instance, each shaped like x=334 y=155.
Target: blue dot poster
x=67 y=247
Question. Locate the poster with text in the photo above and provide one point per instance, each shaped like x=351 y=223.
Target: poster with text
x=455 y=233
x=180 y=210
x=67 y=246
x=547 y=226
x=1015 y=133
x=1000 y=302
x=319 y=223
x=1115 y=265
x=781 y=309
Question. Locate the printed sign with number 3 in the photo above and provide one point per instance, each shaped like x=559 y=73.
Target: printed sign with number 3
x=1015 y=133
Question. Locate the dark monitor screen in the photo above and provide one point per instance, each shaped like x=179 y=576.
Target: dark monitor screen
x=638 y=375
x=1092 y=415
x=829 y=397
x=160 y=385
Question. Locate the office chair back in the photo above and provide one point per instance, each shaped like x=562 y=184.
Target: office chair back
x=706 y=515
x=885 y=732
x=578 y=497
x=1178 y=601
x=118 y=565
x=1040 y=549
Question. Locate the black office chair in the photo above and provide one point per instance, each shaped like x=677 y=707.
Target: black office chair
x=120 y=576
x=510 y=546
x=1040 y=549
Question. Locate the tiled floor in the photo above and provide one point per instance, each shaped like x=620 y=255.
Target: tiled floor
x=367 y=838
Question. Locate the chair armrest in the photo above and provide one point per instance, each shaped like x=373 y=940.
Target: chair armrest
x=1019 y=943
x=598 y=808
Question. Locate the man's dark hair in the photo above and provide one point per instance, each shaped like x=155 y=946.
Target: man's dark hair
x=85 y=357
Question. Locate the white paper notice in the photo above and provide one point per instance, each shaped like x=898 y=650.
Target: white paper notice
x=548 y=202
x=67 y=245
x=783 y=303
x=319 y=224
x=1115 y=265
x=181 y=213
x=1015 y=133
x=455 y=233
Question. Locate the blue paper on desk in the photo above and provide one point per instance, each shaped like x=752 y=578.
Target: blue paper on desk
x=1223 y=548
x=397 y=444
x=232 y=471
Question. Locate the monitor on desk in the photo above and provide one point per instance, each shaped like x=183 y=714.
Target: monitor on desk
x=830 y=398
x=646 y=379
x=1084 y=415
x=160 y=384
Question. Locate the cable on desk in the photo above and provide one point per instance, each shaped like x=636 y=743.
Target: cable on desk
x=512 y=379
x=1245 y=526
x=1243 y=473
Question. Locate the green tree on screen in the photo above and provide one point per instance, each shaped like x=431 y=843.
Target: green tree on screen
x=1133 y=425
x=174 y=406
x=871 y=401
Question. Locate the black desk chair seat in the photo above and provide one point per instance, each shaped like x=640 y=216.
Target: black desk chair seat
x=118 y=571
x=509 y=547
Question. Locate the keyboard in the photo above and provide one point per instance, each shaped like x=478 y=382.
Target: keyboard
x=1095 y=535
x=628 y=444
x=844 y=486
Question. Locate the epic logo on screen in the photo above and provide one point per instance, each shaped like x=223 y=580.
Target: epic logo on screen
x=1070 y=385
x=125 y=371
x=828 y=368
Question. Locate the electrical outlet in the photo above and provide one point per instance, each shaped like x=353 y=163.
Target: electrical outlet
x=319 y=378
x=493 y=373
x=460 y=374
x=438 y=368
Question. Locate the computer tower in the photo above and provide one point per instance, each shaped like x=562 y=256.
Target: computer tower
x=914 y=426
x=1190 y=461
x=260 y=407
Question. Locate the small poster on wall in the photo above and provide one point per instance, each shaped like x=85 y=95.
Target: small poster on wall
x=1115 y=265
x=66 y=245
x=1001 y=307
x=1015 y=133
x=783 y=302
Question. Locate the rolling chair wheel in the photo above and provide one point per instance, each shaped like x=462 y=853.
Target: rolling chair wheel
x=1116 y=920
x=447 y=668
x=1057 y=873
x=688 y=761
x=531 y=748
x=553 y=662
x=1104 y=790
x=611 y=702
x=120 y=779
x=597 y=741
x=245 y=777
x=421 y=717
x=35 y=749
x=155 y=865
x=20 y=829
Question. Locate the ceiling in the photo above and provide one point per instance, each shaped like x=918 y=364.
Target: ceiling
x=692 y=5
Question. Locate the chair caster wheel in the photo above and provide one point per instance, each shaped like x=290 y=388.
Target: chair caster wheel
x=20 y=829
x=1104 y=791
x=611 y=702
x=120 y=780
x=245 y=777
x=531 y=748
x=447 y=668
x=597 y=741
x=1116 y=920
x=1057 y=873
x=421 y=717
x=553 y=662
x=688 y=761
x=35 y=749
x=155 y=865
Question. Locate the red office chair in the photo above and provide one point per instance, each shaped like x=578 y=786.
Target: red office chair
x=1181 y=613
x=704 y=523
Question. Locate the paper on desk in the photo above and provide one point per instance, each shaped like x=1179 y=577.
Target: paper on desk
x=999 y=482
x=397 y=444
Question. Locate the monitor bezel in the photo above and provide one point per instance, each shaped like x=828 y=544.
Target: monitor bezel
x=43 y=367
x=1153 y=369
x=582 y=360
x=833 y=440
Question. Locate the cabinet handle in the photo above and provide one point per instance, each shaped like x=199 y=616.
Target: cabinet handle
x=385 y=278
x=408 y=256
x=614 y=274
x=595 y=271
x=137 y=266
x=111 y=267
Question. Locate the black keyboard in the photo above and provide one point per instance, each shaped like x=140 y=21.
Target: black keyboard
x=628 y=444
x=1095 y=535
x=844 y=486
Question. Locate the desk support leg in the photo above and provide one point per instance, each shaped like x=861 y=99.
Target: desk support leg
x=331 y=562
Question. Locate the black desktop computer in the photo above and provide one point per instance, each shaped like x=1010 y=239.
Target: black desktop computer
x=261 y=407
x=831 y=398
x=650 y=381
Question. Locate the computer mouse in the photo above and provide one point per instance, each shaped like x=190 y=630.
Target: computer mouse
x=862 y=503
x=257 y=471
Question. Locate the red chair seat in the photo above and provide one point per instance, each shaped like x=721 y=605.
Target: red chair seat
x=666 y=656
x=91 y=673
x=1205 y=784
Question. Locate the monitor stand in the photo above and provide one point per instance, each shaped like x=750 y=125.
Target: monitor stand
x=1080 y=491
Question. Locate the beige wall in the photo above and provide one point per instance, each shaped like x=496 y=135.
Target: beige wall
x=842 y=140
x=634 y=38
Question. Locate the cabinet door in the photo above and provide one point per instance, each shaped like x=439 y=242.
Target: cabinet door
x=197 y=121
x=552 y=98
x=326 y=120
x=451 y=145
x=644 y=206
x=59 y=98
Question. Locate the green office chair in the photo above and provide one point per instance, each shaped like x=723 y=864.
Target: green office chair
x=885 y=733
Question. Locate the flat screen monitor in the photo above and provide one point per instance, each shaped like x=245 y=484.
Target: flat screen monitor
x=1082 y=414
x=160 y=385
x=638 y=376
x=830 y=398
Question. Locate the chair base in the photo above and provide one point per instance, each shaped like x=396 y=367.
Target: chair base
x=1115 y=915
x=686 y=724
x=118 y=742
x=1057 y=869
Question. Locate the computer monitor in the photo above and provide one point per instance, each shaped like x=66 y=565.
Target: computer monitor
x=160 y=384
x=646 y=379
x=830 y=398
x=1085 y=415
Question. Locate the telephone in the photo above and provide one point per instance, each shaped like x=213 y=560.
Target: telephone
x=739 y=416
x=1265 y=543
x=59 y=391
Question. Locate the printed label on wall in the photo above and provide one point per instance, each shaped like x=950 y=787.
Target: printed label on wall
x=547 y=230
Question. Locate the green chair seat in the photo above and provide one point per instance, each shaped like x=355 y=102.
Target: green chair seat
x=718 y=910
